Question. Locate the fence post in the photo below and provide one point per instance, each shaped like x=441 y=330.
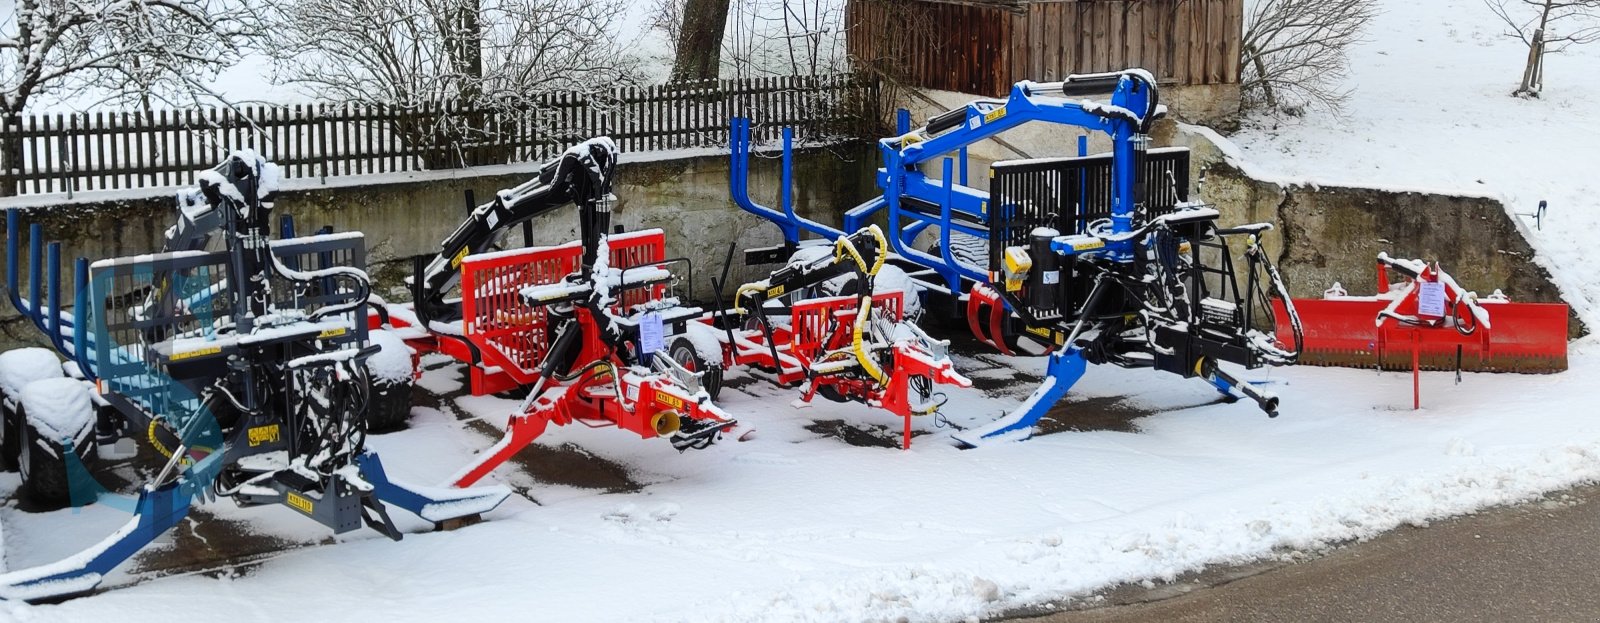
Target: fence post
x=68 y=154
x=10 y=154
x=322 y=139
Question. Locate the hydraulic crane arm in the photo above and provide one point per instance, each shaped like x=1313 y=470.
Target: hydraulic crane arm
x=581 y=176
x=861 y=253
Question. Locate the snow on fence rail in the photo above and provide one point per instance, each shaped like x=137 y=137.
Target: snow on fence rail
x=57 y=153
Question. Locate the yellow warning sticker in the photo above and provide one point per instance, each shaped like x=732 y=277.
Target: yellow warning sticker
x=997 y=113
x=334 y=332
x=198 y=352
x=455 y=262
x=299 y=502
x=262 y=434
x=669 y=400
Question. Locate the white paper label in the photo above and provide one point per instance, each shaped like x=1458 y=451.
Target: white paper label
x=650 y=333
x=1430 y=299
x=974 y=122
x=492 y=218
x=1051 y=277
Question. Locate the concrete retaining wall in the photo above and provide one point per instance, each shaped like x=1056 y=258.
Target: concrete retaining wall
x=1328 y=234
x=688 y=197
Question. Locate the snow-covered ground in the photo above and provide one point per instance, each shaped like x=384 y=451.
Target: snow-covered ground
x=797 y=526
x=793 y=525
x=1431 y=108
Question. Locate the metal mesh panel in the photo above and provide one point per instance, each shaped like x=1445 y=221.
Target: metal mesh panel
x=1067 y=194
x=515 y=335
x=496 y=316
x=820 y=324
x=146 y=308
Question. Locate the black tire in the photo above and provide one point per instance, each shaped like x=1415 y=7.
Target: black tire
x=389 y=391
x=10 y=436
x=389 y=405
x=684 y=353
x=42 y=461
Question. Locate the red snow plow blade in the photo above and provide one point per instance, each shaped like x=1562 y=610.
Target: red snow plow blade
x=1344 y=331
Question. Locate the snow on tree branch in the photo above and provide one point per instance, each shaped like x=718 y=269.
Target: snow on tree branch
x=123 y=51
x=471 y=55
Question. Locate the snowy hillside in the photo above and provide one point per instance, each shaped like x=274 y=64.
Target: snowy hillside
x=1431 y=108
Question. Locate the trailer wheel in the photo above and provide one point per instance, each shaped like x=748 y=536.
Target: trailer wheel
x=10 y=435
x=390 y=381
x=684 y=353
x=18 y=368
x=41 y=454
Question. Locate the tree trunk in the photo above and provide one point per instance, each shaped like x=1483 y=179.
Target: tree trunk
x=11 y=162
x=1531 y=80
x=699 y=55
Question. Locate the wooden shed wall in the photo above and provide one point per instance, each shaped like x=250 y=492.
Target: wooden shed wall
x=984 y=47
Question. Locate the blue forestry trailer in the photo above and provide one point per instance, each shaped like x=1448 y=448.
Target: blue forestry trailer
x=1088 y=259
x=244 y=369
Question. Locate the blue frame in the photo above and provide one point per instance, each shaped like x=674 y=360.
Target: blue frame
x=901 y=176
x=156 y=509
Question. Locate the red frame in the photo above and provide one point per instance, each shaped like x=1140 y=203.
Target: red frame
x=511 y=339
x=820 y=325
x=1521 y=337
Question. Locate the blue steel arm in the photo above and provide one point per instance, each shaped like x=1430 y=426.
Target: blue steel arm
x=739 y=185
x=902 y=178
x=82 y=309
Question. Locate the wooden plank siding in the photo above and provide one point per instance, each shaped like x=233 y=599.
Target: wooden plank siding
x=984 y=46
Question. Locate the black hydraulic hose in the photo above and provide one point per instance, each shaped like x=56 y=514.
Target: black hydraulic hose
x=1455 y=313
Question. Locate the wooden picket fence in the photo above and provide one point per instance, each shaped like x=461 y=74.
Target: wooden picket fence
x=165 y=148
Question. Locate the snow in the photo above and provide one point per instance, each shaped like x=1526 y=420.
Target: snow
x=795 y=526
x=392 y=364
x=1430 y=108
x=21 y=366
x=59 y=408
x=1056 y=516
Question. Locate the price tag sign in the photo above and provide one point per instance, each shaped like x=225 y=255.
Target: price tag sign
x=1430 y=299
x=650 y=333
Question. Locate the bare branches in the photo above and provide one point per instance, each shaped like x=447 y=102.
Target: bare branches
x=124 y=50
x=1546 y=26
x=469 y=52
x=471 y=58
x=769 y=37
x=1294 y=52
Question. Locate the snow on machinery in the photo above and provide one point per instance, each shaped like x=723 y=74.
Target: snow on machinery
x=245 y=369
x=579 y=324
x=1095 y=259
x=822 y=320
x=1428 y=321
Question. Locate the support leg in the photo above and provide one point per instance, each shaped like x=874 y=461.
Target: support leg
x=1065 y=368
x=520 y=432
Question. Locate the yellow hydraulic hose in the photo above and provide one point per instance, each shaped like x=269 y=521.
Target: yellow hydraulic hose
x=844 y=247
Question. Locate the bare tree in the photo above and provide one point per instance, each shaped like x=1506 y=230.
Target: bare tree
x=698 y=39
x=1547 y=26
x=471 y=55
x=763 y=37
x=116 y=51
x=120 y=50
x=1294 y=52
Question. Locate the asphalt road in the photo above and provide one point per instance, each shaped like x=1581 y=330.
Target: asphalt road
x=1535 y=562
